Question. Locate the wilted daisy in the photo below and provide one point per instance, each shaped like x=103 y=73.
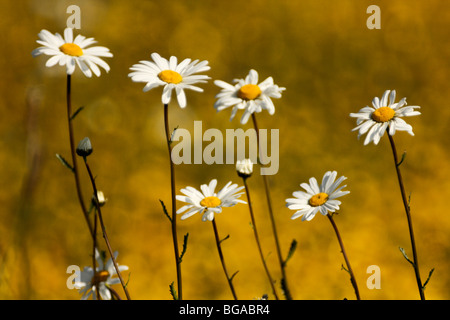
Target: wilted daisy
x=247 y=94
x=384 y=115
x=90 y=282
x=71 y=52
x=170 y=74
x=317 y=198
x=207 y=201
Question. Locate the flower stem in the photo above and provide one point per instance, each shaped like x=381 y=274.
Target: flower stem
x=174 y=214
x=219 y=249
x=347 y=262
x=94 y=247
x=272 y=220
x=74 y=158
x=408 y=216
x=105 y=235
x=255 y=231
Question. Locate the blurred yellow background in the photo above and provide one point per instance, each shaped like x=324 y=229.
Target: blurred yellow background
x=330 y=63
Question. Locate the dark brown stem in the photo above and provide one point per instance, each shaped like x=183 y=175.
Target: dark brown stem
x=94 y=247
x=105 y=235
x=408 y=217
x=173 y=197
x=272 y=221
x=222 y=260
x=347 y=262
x=74 y=158
x=255 y=231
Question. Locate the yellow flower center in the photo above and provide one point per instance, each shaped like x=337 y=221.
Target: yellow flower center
x=318 y=199
x=249 y=92
x=71 y=49
x=170 y=76
x=100 y=276
x=383 y=114
x=210 y=202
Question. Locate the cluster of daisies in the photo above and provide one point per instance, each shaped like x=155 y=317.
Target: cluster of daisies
x=247 y=94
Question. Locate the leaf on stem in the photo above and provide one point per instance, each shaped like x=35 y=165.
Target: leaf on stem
x=291 y=252
x=165 y=210
x=64 y=162
x=344 y=268
x=91 y=206
x=172 y=135
x=173 y=292
x=224 y=238
x=409 y=200
x=405 y=256
x=428 y=279
x=185 y=240
x=234 y=274
x=76 y=113
x=128 y=280
x=402 y=159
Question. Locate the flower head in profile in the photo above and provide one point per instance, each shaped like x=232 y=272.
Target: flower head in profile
x=170 y=74
x=317 y=198
x=244 y=168
x=100 y=280
x=72 y=52
x=384 y=114
x=207 y=201
x=247 y=94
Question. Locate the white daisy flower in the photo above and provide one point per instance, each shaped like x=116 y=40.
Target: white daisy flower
x=171 y=75
x=384 y=115
x=317 y=198
x=90 y=282
x=247 y=94
x=71 y=52
x=207 y=201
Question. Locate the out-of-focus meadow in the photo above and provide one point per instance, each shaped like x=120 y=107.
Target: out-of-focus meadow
x=330 y=63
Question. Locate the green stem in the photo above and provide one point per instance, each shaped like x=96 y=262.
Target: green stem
x=408 y=217
x=173 y=197
x=347 y=262
x=255 y=231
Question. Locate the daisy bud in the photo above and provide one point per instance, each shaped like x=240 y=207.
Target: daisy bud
x=84 y=147
x=244 y=168
x=101 y=198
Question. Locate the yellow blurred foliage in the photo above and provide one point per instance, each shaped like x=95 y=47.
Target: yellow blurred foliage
x=330 y=63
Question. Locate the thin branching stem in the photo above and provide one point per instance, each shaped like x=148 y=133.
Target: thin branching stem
x=173 y=197
x=273 y=224
x=105 y=235
x=258 y=243
x=347 y=262
x=74 y=158
x=222 y=260
x=408 y=217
